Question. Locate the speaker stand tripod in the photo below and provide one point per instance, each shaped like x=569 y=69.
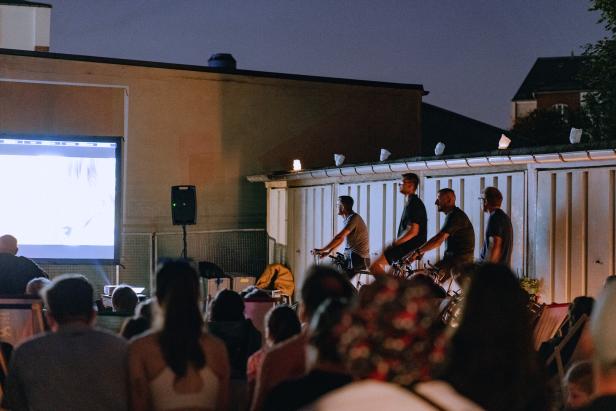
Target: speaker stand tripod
x=184 y=248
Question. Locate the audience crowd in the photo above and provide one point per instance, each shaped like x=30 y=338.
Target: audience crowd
x=384 y=348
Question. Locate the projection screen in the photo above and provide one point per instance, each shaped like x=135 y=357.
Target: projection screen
x=61 y=197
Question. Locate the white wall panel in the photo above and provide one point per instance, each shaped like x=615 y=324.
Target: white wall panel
x=277 y=214
x=575 y=233
x=310 y=225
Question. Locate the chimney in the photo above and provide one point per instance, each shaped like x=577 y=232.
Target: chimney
x=26 y=25
x=223 y=61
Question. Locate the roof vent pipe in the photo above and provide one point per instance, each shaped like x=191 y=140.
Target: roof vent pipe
x=224 y=61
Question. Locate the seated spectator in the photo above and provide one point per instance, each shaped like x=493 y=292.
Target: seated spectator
x=491 y=359
x=35 y=286
x=75 y=367
x=328 y=371
x=15 y=272
x=579 y=385
x=579 y=306
x=390 y=344
x=124 y=300
x=242 y=339
x=178 y=366
x=288 y=359
x=228 y=323
x=141 y=322
x=281 y=323
x=603 y=334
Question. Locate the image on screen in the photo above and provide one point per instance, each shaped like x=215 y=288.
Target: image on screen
x=60 y=196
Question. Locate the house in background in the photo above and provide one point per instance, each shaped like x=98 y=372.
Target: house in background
x=25 y=25
x=551 y=83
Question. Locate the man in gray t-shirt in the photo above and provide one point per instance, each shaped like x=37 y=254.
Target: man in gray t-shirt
x=355 y=232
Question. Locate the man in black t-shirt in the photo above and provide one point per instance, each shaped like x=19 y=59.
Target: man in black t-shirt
x=457 y=232
x=498 y=241
x=412 y=231
x=15 y=272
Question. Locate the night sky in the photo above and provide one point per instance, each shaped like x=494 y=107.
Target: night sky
x=471 y=55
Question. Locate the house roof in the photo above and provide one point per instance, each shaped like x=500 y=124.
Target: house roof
x=24 y=3
x=552 y=74
x=459 y=133
x=187 y=67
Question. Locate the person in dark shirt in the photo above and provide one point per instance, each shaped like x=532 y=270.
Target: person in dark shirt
x=498 y=241
x=413 y=228
x=328 y=371
x=457 y=232
x=15 y=272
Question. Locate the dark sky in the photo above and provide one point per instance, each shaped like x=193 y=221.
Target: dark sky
x=471 y=55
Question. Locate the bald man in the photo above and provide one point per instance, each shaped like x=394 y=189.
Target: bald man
x=15 y=272
x=457 y=232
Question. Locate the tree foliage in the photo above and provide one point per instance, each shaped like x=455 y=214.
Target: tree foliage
x=551 y=126
x=599 y=74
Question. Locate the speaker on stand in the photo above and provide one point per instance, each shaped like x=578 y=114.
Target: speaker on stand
x=184 y=210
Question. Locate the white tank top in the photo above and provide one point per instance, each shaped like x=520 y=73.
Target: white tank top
x=164 y=397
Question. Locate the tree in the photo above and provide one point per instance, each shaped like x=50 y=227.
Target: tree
x=599 y=74
x=549 y=126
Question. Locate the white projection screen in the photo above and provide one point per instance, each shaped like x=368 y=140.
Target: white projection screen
x=61 y=197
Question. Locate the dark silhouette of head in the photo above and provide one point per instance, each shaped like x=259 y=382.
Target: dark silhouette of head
x=177 y=292
x=323 y=282
x=124 y=299
x=323 y=329
x=69 y=298
x=227 y=306
x=282 y=323
x=491 y=358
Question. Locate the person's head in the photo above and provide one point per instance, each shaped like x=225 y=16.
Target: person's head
x=177 y=292
x=423 y=280
x=604 y=340
x=323 y=282
x=8 y=244
x=124 y=299
x=345 y=205
x=580 y=306
x=494 y=338
x=35 y=286
x=579 y=384
x=609 y=280
x=492 y=199
x=324 y=338
x=409 y=184
x=69 y=298
x=281 y=323
x=393 y=333
x=445 y=200
x=145 y=309
x=227 y=305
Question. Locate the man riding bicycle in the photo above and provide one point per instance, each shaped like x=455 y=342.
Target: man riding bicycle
x=457 y=233
x=355 y=232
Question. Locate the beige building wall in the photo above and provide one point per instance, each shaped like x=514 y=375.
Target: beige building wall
x=203 y=128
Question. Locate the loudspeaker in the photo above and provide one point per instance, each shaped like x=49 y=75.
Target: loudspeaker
x=183 y=205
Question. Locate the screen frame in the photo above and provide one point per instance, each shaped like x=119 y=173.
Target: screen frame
x=119 y=168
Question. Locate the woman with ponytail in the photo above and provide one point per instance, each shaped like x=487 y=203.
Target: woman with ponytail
x=177 y=365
